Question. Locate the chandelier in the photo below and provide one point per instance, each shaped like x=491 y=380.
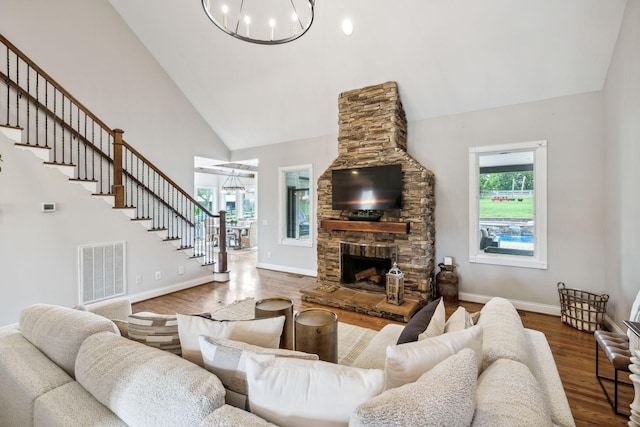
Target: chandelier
x=233 y=183
x=261 y=21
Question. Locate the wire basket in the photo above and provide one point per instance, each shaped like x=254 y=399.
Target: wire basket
x=581 y=309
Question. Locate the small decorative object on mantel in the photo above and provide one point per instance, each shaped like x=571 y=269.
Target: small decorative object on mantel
x=364 y=216
x=395 y=285
x=447 y=282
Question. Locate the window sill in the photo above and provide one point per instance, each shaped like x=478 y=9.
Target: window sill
x=508 y=260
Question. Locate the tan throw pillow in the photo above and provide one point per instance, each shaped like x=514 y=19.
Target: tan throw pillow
x=436 y=326
x=261 y=332
x=443 y=396
x=155 y=330
x=227 y=359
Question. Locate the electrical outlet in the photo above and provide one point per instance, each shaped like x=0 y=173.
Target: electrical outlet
x=138 y=279
x=158 y=275
x=181 y=269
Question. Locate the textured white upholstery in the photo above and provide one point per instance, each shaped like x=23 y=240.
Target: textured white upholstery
x=230 y=416
x=114 y=309
x=59 y=331
x=25 y=374
x=443 y=396
x=504 y=336
x=508 y=395
x=145 y=386
x=72 y=405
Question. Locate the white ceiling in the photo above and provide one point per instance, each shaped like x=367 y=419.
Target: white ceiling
x=448 y=57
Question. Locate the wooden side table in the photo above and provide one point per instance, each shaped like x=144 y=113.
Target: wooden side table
x=634 y=418
x=274 y=307
x=316 y=331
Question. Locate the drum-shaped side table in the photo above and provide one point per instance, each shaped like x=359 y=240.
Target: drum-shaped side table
x=316 y=331
x=274 y=307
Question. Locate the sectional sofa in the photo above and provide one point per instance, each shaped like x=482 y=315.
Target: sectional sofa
x=67 y=367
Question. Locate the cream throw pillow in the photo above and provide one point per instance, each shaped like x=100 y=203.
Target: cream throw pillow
x=443 y=396
x=227 y=359
x=436 y=325
x=406 y=362
x=293 y=392
x=459 y=320
x=262 y=332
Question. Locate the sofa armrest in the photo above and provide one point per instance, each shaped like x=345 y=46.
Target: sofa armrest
x=112 y=309
x=375 y=354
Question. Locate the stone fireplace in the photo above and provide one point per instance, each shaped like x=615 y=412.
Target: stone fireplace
x=373 y=132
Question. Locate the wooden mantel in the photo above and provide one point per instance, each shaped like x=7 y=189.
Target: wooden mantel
x=370 y=226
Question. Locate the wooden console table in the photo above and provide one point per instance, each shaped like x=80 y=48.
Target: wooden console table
x=634 y=417
x=371 y=226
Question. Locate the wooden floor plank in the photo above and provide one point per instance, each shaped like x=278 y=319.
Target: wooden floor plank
x=574 y=351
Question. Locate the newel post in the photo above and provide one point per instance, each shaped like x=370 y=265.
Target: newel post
x=222 y=242
x=117 y=187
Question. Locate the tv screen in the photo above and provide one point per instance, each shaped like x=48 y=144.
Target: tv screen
x=372 y=188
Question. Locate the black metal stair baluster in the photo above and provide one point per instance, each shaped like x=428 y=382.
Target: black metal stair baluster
x=18 y=93
x=28 y=105
x=8 y=88
x=37 y=109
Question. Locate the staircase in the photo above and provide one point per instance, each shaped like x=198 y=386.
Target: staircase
x=42 y=117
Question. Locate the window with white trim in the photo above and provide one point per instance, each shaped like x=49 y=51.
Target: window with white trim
x=297 y=216
x=508 y=204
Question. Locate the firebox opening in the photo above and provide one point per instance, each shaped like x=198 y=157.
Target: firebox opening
x=366 y=273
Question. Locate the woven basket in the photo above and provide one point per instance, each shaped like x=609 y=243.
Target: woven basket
x=581 y=309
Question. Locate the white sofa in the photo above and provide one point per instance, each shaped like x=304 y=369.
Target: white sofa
x=66 y=367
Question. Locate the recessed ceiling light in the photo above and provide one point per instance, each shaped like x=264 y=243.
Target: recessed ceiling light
x=347 y=27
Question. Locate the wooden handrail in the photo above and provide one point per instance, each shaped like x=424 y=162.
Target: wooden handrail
x=169 y=180
x=50 y=79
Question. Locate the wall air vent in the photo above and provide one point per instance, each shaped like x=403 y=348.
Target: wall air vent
x=101 y=271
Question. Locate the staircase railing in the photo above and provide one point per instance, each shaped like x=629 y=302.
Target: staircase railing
x=51 y=118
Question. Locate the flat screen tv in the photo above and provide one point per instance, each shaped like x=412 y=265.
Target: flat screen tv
x=372 y=188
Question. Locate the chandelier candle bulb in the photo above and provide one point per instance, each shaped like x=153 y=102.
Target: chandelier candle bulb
x=225 y=9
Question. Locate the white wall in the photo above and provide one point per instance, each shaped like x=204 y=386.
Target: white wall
x=622 y=177
x=87 y=48
x=319 y=152
x=39 y=251
x=573 y=127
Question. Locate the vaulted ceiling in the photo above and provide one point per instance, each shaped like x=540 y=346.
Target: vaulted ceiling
x=448 y=57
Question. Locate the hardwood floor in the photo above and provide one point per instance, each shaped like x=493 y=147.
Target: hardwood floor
x=574 y=351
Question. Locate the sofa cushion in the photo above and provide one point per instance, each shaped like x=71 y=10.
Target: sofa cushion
x=25 y=374
x=406 y=362
x=59 y=331
x=155 y=330
x=504 y=336
x=418 y=323
x=144 y=385
x=72 y=405
x=230 y=416
x=443 y=396
x=227 y=360
x=309 y=393
x=261 y=332
x=508 y=395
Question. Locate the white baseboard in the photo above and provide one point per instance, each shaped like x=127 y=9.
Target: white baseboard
x=286 y=269
x=141 y=296
x=522 y=305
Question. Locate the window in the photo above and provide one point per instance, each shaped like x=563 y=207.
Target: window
x=508 y=204
x=296 y=205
